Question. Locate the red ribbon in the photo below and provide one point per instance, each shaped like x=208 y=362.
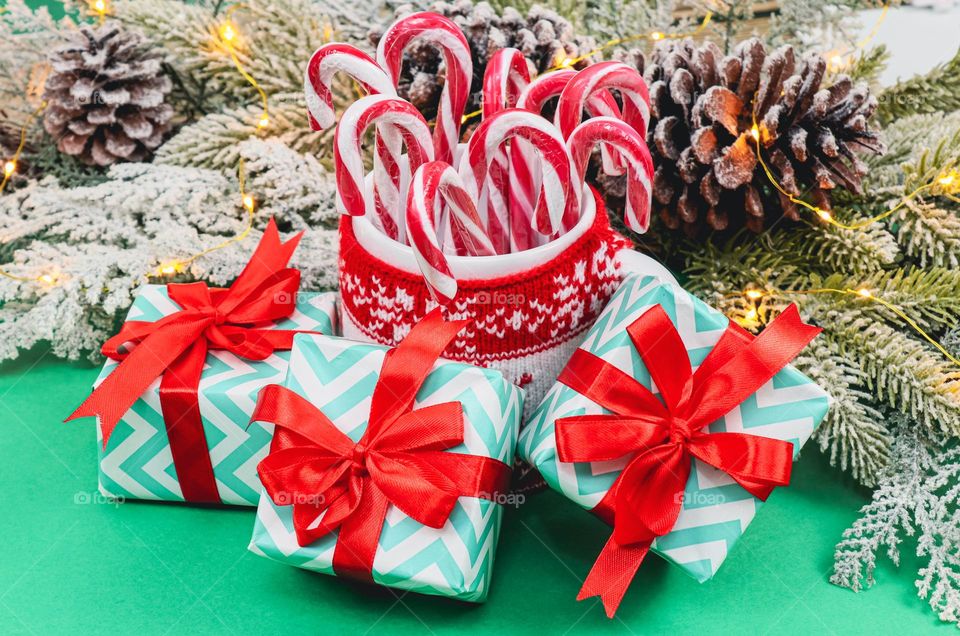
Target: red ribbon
x=175 y=347
x=399 y=460
x=662 y=437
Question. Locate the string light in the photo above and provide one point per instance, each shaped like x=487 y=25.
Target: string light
x=10 y=165
x=564 y=62
x=840 y=60
x=944 y=181
x=864 y=293
x=229 y=35
x=99 y=7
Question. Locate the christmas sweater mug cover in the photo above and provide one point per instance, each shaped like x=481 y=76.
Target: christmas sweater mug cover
x=174 y=399
x=499 y=227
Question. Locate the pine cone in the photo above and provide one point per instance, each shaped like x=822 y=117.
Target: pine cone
x=703 y=106
x=106 y=97
x=542 y=35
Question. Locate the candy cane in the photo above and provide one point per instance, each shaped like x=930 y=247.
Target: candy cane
x=556 y=200
x=432 y=182
x=449 y=39
x=632 y=150
x=599 y=103
x=524 y=183
x=507 y=74
x=347 y=152
x=605 y=75
x=324 y=64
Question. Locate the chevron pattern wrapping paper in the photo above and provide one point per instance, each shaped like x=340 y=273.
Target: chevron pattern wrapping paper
x=338 y=377
x=716 y=510
x=137 y=463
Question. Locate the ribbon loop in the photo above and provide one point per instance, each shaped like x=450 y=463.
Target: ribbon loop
x=662 y=437
x=402 y=459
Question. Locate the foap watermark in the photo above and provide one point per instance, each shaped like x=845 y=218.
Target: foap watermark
x=284 y=498
x=699 y=499
x=87 y=498
x=495 y=297
x=514 y=499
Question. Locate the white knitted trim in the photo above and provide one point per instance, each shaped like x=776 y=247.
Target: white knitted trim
x=544 y=366
x=473 y=268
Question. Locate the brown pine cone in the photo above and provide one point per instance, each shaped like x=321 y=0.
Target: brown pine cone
x=703 y=107
x=106 y=97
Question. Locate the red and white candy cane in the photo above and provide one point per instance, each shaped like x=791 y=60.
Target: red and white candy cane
x=525 y=184
x=605 y=75
x=324 y=64
x=449 y=39
x=432 y=182
x=507 y=75
x=600 y=103
x=632 y=149
x=557 y=199
x=347 y=151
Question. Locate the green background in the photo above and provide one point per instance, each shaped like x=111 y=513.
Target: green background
x=72 y=565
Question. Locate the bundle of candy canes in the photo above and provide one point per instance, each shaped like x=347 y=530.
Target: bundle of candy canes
x=516 y=183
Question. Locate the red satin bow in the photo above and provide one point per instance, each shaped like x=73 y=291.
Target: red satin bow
x=646 y=498
x=334 y=483
x=175 y=347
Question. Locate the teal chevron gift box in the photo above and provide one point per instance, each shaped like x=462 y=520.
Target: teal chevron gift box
x=137 y=462
x=337 y=380
x=715 y=509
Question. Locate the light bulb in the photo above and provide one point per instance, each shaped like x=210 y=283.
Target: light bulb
x=248 y=202
x=227 y=33
x=9 y=168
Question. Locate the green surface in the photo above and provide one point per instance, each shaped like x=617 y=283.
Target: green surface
x=73 y=564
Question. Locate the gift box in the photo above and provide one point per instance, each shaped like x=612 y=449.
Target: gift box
x=649 y=321
x=336 y=381
x=174 y=400
x=137 y=463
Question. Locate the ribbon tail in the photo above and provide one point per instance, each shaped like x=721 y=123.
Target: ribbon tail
x=612 y=574
x=148 y=360
x=181 y=415
x=360 y=534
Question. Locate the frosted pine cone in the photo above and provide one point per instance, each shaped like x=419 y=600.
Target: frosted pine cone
x=542 y=35
x=106 y=97
x=703 y=107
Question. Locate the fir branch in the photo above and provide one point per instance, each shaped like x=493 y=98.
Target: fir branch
x=882 y=521
x=212 y=141
x=929 y=234
x=902 y=371
x=918 y=495
x=103 y=241
x=869 y=65
x=853 y=433
x=937 y=91
x=275 y=38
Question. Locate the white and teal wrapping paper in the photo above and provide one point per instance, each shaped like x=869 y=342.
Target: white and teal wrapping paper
x=716 y=510
x=137 y=462
x=338 y=377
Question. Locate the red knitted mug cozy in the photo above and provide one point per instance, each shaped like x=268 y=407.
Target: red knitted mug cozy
x=528 y=313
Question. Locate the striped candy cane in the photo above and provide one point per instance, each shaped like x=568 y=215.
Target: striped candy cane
x=524 y=182
x=605 y=75
x=432 y=182
x=507 y=75
x=324 y=64
x=632 y=150
x=447 y=37
x=347 y=152
x=556 y=200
